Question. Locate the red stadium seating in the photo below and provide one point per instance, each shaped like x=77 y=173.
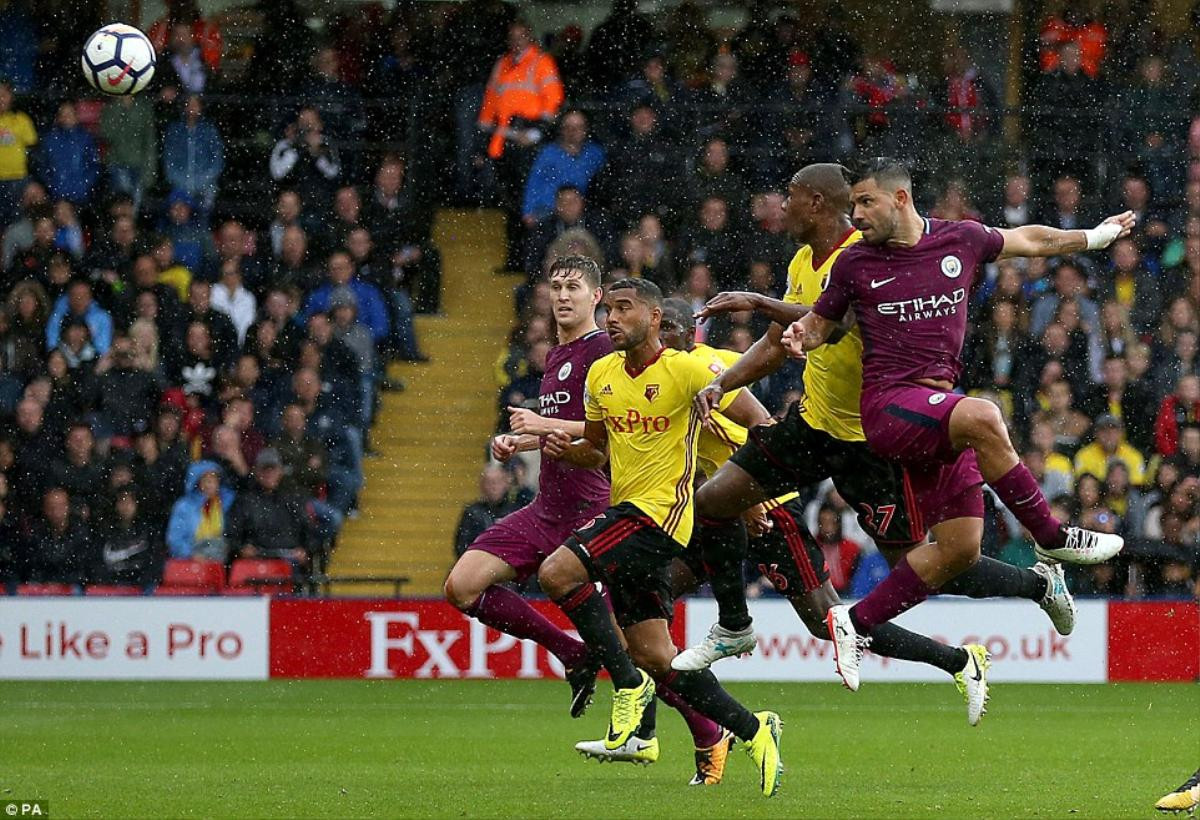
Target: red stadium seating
x=180 y=591
x=46 y=589
x=253 y=574
x=202 y=577
x=112 y=591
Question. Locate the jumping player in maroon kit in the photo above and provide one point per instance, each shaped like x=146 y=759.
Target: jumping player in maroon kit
x=906 y=284
x=514 y=547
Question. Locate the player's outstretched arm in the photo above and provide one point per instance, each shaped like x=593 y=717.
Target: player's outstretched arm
x=524 y=421
x=506 y=445
x=746 y=410
x=735 y=301
x=1042 y=240
x=762 y=359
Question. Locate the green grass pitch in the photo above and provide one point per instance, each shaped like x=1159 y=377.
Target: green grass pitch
x=504 y=749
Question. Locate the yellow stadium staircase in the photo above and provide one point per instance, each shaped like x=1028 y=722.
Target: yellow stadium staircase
x=432 y=436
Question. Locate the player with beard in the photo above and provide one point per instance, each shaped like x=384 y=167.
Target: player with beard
x=821 y=437
x=906 y=284
x=640 y=419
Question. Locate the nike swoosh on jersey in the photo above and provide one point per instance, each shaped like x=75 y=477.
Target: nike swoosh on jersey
x=882 y=282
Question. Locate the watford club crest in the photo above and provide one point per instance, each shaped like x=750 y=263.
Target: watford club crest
x=651 y=392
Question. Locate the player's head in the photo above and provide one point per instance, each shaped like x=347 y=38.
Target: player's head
x=677 y=328
x=816 y=192
x=635 y=309
x=575 y=287
x=881 y=193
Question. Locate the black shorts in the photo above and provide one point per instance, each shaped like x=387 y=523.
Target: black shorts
x=631 y=555
x=792 y=455
x=787 y=554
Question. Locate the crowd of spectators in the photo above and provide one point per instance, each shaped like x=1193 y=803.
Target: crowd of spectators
x=178 y=381
x=679 y=176
x=216 y=270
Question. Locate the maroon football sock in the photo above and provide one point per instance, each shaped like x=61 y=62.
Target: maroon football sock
x=1019 y=491
x=899 y=592
x=501 y=608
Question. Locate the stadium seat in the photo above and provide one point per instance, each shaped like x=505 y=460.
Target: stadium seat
x=255 y=573
x=112 y=590
x=175 y=592
x=47 y=589
x=202 y=577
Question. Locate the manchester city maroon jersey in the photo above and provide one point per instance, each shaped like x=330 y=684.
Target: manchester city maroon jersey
x=911 y=303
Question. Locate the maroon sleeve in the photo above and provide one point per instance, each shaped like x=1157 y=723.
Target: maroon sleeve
x=833 y=303
x=986 y=242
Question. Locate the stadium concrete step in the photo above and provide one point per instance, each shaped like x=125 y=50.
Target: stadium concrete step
x=432 y=436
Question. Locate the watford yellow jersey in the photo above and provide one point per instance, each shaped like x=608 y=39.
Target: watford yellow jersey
x=833 y=375
x=653 y=433
x=726 y=436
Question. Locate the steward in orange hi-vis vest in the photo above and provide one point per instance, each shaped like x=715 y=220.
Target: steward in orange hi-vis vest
x=525 y=87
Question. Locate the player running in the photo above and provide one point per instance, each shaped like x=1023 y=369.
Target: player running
x=514 y=547
x=821 y=437
x=1185 y=798
x=640 y=418
x=907 y=283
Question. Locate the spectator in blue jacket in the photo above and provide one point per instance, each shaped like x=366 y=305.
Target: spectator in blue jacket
x=77 y=304
x=70 y=158
x=372 y=309
x=194 y=155
x=571 y=160
x=197 y=525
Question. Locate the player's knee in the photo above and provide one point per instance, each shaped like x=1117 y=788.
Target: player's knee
x=460 y=592
x=557 y=578
x=987 y=424
x=656 y=662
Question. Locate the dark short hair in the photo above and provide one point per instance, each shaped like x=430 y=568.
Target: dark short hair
x=647 y=291
x=588 y=268
x=886 y=170
x=680 y=308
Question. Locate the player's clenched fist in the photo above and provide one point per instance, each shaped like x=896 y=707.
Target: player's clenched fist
x=521 y=420
x=555 y=444
x=504 y=447
x=793 y=340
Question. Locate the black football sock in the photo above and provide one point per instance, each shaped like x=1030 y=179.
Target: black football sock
x=588 y=611
x=723 y=546
x=645 y=729
x=896 y=642
x=990 y=578
x=701 y=690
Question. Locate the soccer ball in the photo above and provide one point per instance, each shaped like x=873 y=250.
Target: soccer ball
x=118 y=59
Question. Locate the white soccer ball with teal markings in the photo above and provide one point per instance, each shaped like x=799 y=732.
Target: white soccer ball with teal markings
x=118 y=59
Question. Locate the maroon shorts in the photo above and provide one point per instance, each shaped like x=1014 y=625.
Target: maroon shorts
x=525 y=538
x=909 y=423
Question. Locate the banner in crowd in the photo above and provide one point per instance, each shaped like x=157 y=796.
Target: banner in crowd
x=147 y=638
x=256 y=638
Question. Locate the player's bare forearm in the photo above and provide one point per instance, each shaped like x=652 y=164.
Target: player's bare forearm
x=582 y=453
x=740 y=300
x=526 y=443
x=817 y=330
x=1042 y=240
x=777 y=310
x=746 y=410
